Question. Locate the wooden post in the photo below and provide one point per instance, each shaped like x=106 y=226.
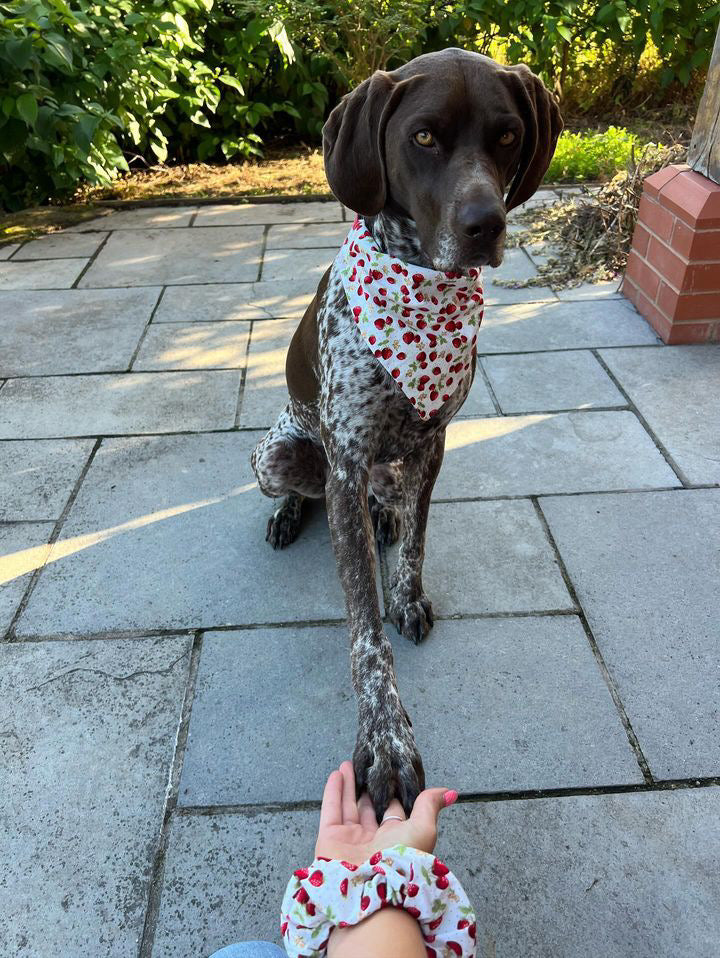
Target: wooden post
x=704 y=154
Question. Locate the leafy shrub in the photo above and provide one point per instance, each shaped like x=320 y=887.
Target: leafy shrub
x=83 y=88
x=591 y=156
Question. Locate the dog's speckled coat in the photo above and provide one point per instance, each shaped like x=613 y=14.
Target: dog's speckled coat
x=348 y=429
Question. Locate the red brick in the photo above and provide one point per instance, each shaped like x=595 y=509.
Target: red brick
x=645 y=278
x=703 y=278
x=691 y=333
x=659 y=322
x=688 y=306
x=641 y=238
x=656 y=219
x=692 y=197
x=670 y=266
x=656 y=181
x=695 y=244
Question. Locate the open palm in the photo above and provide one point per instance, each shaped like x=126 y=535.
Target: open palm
x=349 y=830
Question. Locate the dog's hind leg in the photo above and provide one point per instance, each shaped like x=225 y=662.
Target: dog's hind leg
x=410 y=609
x=386 y=500
x=287 y=462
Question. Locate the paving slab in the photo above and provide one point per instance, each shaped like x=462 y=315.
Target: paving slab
x=265 y=392
x=489 y=557
x=155 y=217
x=646 y=568
x=253 y=734
x=585 y=291
x=552 y=452
x=612 y=876
x=251 y=213
x=37 y=477
x=52 y=274
x=46 y=408
x=528 y=327
x=7 y=251
x=61 y=246
x=208 y=304
x=279 y=264
x=72 y=331
x=23 y=549
x=677 y=390
x=536 y=382
x=533 y=712
x=153 y=257
x=303 y=235
x=479 y=401
x=178 y=523
x=195 y=346
x=225 y=876
x=90 y=732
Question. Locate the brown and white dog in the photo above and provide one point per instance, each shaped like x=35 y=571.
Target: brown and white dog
x=431 y=156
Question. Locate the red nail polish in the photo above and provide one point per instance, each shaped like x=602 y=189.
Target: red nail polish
x=450 y=797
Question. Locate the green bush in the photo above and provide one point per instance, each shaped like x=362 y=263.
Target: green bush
x=591 y=156
x=84 y=89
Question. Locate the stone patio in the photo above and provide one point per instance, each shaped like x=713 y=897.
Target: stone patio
x=173 y=693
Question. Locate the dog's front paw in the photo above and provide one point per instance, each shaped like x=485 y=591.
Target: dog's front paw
x=387 y=763
x=413 y=618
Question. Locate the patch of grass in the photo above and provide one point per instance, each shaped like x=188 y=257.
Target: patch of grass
x=291 y=170
x=580 y=157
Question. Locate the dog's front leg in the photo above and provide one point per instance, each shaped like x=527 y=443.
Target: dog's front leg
x=410 y=608
x=386 y=759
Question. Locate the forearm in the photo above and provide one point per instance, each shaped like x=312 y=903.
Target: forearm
x=389 y=933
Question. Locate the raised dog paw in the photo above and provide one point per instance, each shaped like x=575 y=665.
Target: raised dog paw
x=388 y=765
x=284 y=525
x=386 y=522
x=412 y=618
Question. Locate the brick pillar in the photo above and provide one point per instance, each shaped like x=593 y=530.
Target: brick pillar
x=673 y=270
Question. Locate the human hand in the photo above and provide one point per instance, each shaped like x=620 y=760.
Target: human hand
x=349 y=830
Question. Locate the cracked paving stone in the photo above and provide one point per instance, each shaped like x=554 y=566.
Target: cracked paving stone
x=89 y=730
x=23 y=549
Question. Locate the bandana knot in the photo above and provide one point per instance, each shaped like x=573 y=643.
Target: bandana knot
x=421 y=324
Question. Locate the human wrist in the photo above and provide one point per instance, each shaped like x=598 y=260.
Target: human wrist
x=390 y=933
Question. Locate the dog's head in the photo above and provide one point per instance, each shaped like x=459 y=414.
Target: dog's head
x=453 y=140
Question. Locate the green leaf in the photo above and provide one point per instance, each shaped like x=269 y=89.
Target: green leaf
x=232 y=82
x=27 y=108
x=18 y=52
x=564 y=32
x=278 y=33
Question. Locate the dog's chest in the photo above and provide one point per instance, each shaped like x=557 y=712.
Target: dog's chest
x=360 y=405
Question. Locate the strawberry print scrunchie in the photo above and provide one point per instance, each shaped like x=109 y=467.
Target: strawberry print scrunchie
x=332 y=894
x=421 y=324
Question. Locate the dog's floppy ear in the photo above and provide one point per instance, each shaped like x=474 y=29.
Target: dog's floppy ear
x=543 y=125
x=353 y=143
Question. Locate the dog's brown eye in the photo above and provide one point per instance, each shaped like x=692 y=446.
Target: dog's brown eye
x=507 y=138
x=424 y=138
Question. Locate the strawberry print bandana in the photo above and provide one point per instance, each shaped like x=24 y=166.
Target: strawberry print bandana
x=421 y=324
x=332 y=894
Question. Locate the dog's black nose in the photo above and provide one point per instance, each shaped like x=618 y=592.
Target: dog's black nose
x=481 y=221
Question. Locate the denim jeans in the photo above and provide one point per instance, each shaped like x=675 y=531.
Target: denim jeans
x=250 y=949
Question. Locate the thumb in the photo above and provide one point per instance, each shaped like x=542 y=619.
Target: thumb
x=428 y=806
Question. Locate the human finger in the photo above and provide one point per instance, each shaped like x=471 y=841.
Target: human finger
x=367 y=813
x=331 y=808
x=349 y=804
